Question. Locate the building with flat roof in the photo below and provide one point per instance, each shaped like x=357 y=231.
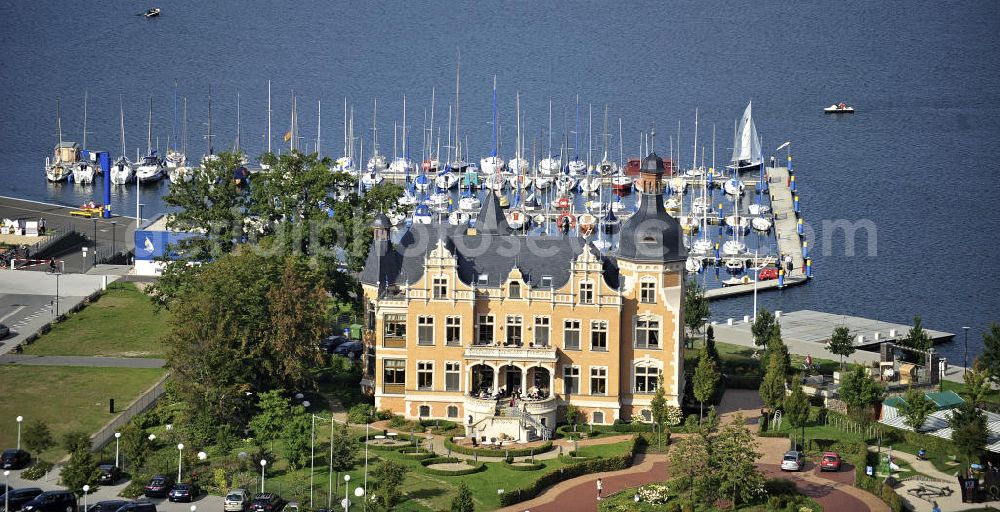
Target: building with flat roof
x=500 y=331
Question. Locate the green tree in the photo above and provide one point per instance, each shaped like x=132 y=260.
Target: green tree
x=296 y=435
x=696 y=306
x=710 y=347
x=463 y=501
x=841 y=344
x=917 y=339
x=80 y=470
x=796 y=408
x=572 y=414
x=772 y=386
x=977 y=383
x=345 y=451
x=269 y=423
x=761 y=327
x=915 y=409
x=658 y=410
x=688 y=461
x=389 y=476
x=75 y=441
x=37 y=436
x=969 y=431
x=990 y=358
x=134 y=445
x=734 y=456
x=706 y=380
x=860 y=392
x=775 y=345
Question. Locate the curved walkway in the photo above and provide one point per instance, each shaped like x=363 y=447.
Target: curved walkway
x=831 y=494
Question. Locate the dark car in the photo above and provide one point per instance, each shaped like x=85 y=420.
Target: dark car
x=158 y=486
x=137 y=506
x=51 y=501
x=109 y=474
x=14 y=459
x=267 y=502
x=350 y=349
x=184 y=492
x=17 y=497
x=330 y=343
x=107 y=506
x=4 y=331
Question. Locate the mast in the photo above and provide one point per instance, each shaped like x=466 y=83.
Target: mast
x=149 y=128
x=239 y=123
x=576 y=133
x=494 y=155
x=319 y=123
x=448 y=158
x=345 y=127
x=59 y=121
x=590 y=130
x=184 y=128
x=621 y=147
x=268 y=116
x=458 y=74
x=85 y=119
x=606 y=136
x=209 y=136
x=550 y=129
x=405 y=154
x=173 y=128
x=431 y=134
x=694 y=165
x=121 y=113
x=375 y=129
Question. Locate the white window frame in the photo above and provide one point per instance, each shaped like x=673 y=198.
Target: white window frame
x=547 y=326
x=425 y=368
x=453 y=322
x=646 y=281
x=567 y=377
x=604 y=375
x=579 y=333
x=647 y=367
x=603 y=327
x=589 y=297
x=453 y=368
x=658 y=331
x=512 y=322
x=424 y=322
x=437 y=282
x=482 y=320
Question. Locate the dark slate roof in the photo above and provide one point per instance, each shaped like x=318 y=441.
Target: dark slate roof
x=651 y=235
x=491 y=219
x=492 y=255
x=652 y=164
x=381 y=221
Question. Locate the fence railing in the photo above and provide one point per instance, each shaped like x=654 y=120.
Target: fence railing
x=138 y=406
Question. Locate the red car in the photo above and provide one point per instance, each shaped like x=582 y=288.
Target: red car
x=767 y=274
x=830 y=462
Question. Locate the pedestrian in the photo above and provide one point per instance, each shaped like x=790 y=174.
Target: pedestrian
x=600 y=489
x=935 y=507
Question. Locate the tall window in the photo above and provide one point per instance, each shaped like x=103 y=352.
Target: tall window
x=395 y=371
x=395 y=326
x=440 y=287
x=571 y=335
x=484 y=336
x=452 y=376
x=647 y=333
x=598 y=417
x=598 y=380
x=425 y=375
x=425 y=411
x=453 y=330
x=452 y=411
x=647 y=292
x=646 y=378
x=515 y=290
x=599 y=335
x=513 y=330
x=425 y=330
x=586 y=292
x=541 y=331
x=571 y=379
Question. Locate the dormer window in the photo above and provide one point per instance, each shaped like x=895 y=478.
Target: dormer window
x=483 y=279
x=648 y=240
x=586 y=292
x=546 y=282
x=440 y=287
x=515 y=290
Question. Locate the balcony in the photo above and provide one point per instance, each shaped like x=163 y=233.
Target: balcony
x=522 y=353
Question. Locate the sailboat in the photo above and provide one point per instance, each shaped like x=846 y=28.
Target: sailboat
x=174 y=157
x=493 y=164
x=549 y=166
x=85 y=170
x=65 y=155
x=181 y=173
x=122 y=170
x=150 y=167
x=518 y=166
x=746 y=146
x=377 y=163
x=346 y=162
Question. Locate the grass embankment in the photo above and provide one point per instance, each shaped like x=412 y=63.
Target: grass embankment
x=66 y=398
x=122 y=323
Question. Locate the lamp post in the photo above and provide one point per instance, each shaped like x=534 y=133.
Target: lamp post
x=57 y=273
x=966 y=364
x=360 y=493
x=114 y=237
x=347 y=491
x=6 y=485
x=704 y=326
x=312 y=456
x=180 y=453
x=263 y=463
x=95 y=241
x=19 y=420
x=86 y=490
x=118 y=436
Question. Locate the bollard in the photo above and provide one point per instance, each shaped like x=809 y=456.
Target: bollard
x=781 y=278
x=809 y=268
x=801 y=227
x=791 y=183
x=805 y=249
x=796 y=203
x=789 y=164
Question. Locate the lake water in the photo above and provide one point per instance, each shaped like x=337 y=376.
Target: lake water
x=916 y=163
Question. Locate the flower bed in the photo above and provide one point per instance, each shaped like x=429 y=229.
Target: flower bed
x=442 y=470
x=498 y=452
x=524 y=466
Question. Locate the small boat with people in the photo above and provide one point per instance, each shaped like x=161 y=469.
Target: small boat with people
x=152 y=12
x=838 y=108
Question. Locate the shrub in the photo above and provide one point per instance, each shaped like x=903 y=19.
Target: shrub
x=37 y=470
x=400 y=423
x=779 y=486
x=135 y=488
x=474 y=467
x=498 y=452
x=382 y=415
x=524 y=465
x=359 y=414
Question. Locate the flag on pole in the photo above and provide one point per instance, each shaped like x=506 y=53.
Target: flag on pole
x=288 y=136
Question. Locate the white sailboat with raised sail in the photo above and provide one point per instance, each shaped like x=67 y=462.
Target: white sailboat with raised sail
x=85 y=170
x=66 y=154
x=746 y=146
x=151 y=166
x=493 y=164
x=122 y=171
x=181 y=173
x=175 y=158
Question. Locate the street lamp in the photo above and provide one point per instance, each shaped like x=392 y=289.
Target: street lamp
x=704 y=323
x=347 y=500
x=95 y=241
x=86 y=490
x=118 y=435
x=180 y=453
x=114 y=237
x=966 y=365
x=359 y=492
x=57 y=273
x=194 y=508
x=263 y=462
x=19 y=420
x=6 y=485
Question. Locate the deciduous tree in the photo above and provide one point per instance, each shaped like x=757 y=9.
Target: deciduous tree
x=917 y=338
x=761 y=327
x=389 y=476
x=916 y=408
x=796 y=408
x=706 y=379
x=689 y=463
x=977 y=383
x=37 y=436
x=841 y=344
x=772 y=386
x=696 y=306
x=860 y=392
x=734 y=454
x=463 y=501
x=990 y=357
x=345 y=450
x=969 y=430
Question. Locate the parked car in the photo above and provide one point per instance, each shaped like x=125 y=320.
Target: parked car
x=51 y=501
x=184 y=492
x=267 y=502
x=4 y=331
x=17 y=497
x=830 y=462
x=158 y=486
x=137 y=506
x=107 y=506
x=109 y=474
x=14 y=459
x=792 y=461
x=330 y=343
x=352 y=349
x=237 y=500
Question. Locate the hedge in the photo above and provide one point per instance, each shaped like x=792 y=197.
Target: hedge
x=499 y=452
x=476 y=466
x=600 y=465
x=857 y=453
x=524 y=466
x=391 y=448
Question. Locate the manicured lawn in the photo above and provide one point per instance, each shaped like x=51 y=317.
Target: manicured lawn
x=66 y=398
x=120 y=324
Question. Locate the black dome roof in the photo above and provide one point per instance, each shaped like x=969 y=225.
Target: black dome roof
x=651 y=235
x=380 y=221
x=652 y=164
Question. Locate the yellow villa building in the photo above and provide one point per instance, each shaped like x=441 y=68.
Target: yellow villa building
x=500 y=331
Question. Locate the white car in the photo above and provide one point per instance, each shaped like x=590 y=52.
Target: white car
x=792 y=461
x=237 y=500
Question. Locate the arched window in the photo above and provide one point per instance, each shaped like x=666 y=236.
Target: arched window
x=647 y=377
x=515 y=290
x=598 y=418
x=452 y=411
x=425 y=411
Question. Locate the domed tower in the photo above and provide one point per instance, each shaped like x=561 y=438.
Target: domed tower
x=380 y=227
x=650 y=260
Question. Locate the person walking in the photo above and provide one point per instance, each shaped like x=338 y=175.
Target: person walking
x=935 y=507
x=600 y=488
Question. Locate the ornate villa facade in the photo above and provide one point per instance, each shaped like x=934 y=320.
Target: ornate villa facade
x=459 y=319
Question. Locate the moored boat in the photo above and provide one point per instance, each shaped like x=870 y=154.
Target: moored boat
x=838 y=108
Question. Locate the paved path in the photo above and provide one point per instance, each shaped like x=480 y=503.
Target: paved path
x=953 y=502
x=94 y=362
